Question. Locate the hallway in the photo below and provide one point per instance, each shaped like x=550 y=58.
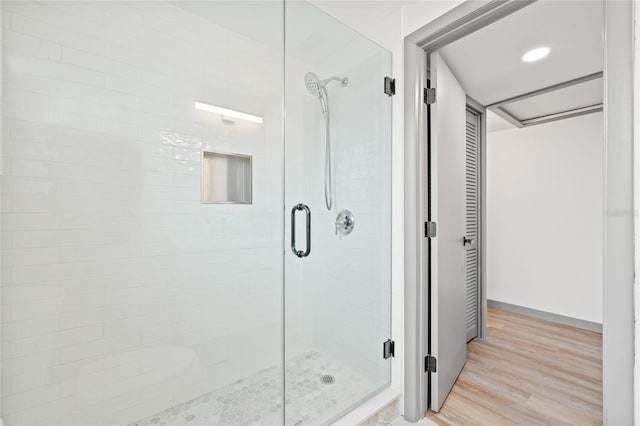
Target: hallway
x=528 y=371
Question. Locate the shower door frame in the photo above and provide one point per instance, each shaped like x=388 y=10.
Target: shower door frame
x=618 y=277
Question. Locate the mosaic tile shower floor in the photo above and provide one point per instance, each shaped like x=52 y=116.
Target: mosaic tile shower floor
x=256 y=400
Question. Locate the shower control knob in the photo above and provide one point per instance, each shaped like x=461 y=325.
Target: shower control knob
x=345 y=222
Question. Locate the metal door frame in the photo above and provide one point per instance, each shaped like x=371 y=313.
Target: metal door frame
x=618 y=325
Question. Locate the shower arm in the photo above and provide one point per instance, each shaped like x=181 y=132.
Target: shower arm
x=342 y=81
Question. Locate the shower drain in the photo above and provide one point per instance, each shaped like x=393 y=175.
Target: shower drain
x=327 y=379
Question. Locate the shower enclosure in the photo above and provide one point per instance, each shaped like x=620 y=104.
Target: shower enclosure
x=169 y=255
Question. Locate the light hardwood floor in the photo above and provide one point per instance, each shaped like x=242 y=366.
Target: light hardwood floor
x=528 y=372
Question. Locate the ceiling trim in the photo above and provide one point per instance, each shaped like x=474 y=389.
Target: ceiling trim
x=547 y=89
x=562 y=115
x=498 y=107
x=462 y=21
x=506 y=115
x=545 y=118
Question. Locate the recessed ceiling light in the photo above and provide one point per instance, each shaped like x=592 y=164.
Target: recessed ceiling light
x=536 y=54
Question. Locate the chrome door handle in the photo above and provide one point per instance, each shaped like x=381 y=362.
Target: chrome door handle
x=307 y=212
x=467 y=241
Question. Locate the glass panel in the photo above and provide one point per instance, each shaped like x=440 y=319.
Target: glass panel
x=124 y=299
x=337 y=300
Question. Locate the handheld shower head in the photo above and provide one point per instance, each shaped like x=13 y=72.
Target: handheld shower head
x=313 y=83
x=318 y=88
x=315 y=86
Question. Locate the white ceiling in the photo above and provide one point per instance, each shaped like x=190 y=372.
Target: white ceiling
x=360 y=15
x=488 y=62
x=259 y=20
x=311 y=33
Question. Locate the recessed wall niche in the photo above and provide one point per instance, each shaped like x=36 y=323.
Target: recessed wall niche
x=226 y=178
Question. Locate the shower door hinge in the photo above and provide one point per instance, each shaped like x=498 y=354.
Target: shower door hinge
x=430 y=364
x=388 y=349
x=390 y=86
x=430 y=229
x=430 y=95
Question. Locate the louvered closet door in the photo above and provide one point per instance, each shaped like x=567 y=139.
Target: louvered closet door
x=471 y=231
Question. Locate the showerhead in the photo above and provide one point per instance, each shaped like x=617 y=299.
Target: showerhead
x=313 y=83
x=318 y=88
x=315 y=86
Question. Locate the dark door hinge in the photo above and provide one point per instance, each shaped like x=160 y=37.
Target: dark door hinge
x=430 y=364
x=390 y=86
x=430 y=229
x=389 y=349
x=430 y=95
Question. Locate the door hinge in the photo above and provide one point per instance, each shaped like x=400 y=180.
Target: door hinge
x=430 y=364
x=430 y=95
x=390 y=86
x=430 y=229
x=389 y=349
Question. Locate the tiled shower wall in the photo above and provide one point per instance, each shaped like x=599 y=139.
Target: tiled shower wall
x=345 y=282
x=122 y=294
x=353 y=281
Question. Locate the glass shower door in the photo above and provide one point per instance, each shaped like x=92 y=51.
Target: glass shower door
x=141 y=194
x=337 y=216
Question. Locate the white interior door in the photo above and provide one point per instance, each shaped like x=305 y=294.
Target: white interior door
x=448 y=333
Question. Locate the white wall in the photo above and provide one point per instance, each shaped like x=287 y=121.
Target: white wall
x=544 y=217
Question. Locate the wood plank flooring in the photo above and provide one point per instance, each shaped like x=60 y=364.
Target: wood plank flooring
x=528 y=372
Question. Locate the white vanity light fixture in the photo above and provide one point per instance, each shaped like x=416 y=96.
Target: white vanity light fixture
x=225 y=112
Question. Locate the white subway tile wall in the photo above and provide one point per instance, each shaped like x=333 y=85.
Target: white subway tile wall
x=122 y=295
x=352 y=273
